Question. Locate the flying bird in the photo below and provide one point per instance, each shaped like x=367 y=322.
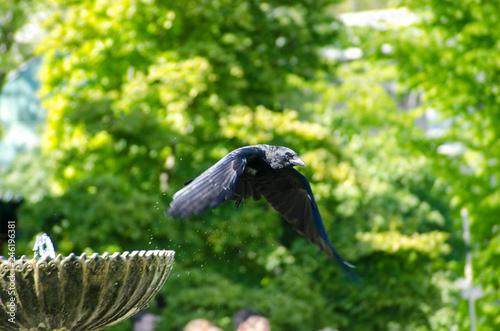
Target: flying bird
x=253 y=172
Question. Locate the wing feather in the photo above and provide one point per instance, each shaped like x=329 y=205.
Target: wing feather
x=214 y=186
x=289 y=192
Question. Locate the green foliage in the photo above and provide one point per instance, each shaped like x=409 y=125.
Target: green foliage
x=14 y=16
x=144 y=95
x=457 y=71
x=450 y=58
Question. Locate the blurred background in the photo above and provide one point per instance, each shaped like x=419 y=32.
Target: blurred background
x=108 y=106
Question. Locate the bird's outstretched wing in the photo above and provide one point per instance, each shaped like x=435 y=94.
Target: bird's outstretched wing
x=214 y=186
x=289 y=192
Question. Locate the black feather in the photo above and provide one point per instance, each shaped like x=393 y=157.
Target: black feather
x=252 y=172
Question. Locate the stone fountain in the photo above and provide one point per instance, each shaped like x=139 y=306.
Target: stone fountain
x=79 y=292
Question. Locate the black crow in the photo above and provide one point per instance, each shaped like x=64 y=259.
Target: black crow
x=255 y=171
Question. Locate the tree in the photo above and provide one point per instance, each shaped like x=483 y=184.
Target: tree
x=457 y=74
x=144 y=95
x=449 y=58
x=14 y=50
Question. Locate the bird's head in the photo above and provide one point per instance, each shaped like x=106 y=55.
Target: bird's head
x=280 y=157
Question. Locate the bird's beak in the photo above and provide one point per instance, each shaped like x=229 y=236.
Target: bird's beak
x=297 y=161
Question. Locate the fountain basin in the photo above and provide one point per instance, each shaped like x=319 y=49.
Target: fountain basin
x=79 y=292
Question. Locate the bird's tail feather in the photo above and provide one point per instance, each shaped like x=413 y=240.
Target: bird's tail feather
x=347 y=267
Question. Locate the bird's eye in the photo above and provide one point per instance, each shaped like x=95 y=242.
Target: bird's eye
x=288 y=156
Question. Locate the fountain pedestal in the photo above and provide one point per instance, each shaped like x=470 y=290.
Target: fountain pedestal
x=79 y=292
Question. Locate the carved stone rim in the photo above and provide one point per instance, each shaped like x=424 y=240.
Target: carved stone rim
x=81 y=292
x=143 y=252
